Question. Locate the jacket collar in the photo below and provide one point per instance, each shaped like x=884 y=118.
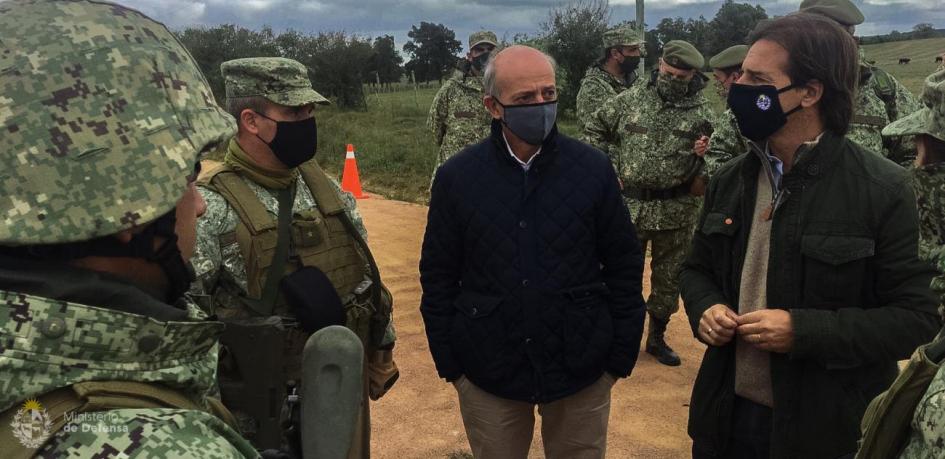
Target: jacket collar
x=811 y=162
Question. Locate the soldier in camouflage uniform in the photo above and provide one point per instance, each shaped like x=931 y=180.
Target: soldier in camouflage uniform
x=613 y=73
x=648 y=132
x=103 y=114
x=726 y=142
x=926 y=436
x=457 y=116
x=880 y=98
x=268 y=164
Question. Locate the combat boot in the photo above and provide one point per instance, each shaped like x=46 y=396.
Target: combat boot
x=656 y=344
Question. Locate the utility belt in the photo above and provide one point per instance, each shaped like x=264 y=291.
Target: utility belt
x=650 y=194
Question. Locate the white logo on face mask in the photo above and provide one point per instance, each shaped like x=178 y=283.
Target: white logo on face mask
x=763 y=102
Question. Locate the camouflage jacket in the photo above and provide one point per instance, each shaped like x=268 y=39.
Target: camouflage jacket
x=127 y=336
x=650 y=142
x=597 y=87
x=221 y=270
x=726 y=143
x=927 y=435
x=880 y=100
x=457 y=116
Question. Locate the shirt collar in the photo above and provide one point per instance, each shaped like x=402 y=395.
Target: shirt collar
x=525 y=165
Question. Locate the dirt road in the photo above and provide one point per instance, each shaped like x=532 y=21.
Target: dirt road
x=420 y=418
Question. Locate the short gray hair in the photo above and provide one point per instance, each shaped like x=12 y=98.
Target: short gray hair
x=489 y=84
x=236 y=105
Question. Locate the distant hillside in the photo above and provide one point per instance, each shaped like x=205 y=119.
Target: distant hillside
x=921 y=52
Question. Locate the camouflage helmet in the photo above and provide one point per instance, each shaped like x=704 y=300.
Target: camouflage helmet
x=103 y=114
x=930 y=119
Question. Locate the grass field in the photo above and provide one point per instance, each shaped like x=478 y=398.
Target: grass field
x=395 y=150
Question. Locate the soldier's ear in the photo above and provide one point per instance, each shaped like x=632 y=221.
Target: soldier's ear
x=248 y=121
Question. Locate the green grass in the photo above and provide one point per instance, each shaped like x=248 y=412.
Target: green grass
x=922 y=52
x=396 y=153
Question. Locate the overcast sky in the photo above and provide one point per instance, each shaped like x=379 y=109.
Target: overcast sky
x=394 y=17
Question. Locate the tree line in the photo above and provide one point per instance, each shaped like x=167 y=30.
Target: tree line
x=341 y=63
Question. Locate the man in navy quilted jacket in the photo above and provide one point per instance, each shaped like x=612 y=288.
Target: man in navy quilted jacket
x=531 y=273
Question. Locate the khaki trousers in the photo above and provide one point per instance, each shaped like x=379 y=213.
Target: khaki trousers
x=574 y=427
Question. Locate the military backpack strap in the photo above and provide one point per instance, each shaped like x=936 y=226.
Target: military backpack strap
x=323 y=190
x=95 y=396
x=280 y=256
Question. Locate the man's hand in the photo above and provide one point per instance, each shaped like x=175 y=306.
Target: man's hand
x=701 y=146
x=717 y=325
x=769 y=330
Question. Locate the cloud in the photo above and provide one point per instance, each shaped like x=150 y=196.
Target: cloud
x=505 y=17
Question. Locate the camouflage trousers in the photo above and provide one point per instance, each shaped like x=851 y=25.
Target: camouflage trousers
x=667 y=252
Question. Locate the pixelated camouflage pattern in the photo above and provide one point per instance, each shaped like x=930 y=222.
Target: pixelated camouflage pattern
x=149 y=433
x=597 y=87
x=650 y=142
x=483 y=36
x=726 y=143
x=667 y=252
x=930 y=119
x=458 y=117
x=224 y=266
x=98 y=344
x=280 y=80
x=106 y=104
x=871 y=114
x=927 y=433
x=621 y=36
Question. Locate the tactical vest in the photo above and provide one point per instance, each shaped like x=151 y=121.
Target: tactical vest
x=260 y=354
x=320 y=238
x=95 y=396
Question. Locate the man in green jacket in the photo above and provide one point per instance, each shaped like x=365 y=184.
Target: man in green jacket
x=457 y=116
x=614 y=73
x=648 y=131
x=803 y=278
x=726 y=142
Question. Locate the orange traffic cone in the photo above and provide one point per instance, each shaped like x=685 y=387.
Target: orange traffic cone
x=350 y=179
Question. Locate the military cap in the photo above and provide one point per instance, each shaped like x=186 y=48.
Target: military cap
x=622 y=36
x=842 y=11
x=930 y=119
x=682 y=55
x=279 y=80
x=730 y=57
x=483 y=36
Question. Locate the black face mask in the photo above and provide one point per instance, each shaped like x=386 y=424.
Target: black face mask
x=295 y=142
x=480 y=61
x=758 y=109
x=629 y=64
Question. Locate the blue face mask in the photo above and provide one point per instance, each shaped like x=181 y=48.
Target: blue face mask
x=530 y=122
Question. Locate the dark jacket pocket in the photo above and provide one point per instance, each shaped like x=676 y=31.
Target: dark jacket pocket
x=587 y=327
x=835 y=267
x=478 y=335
